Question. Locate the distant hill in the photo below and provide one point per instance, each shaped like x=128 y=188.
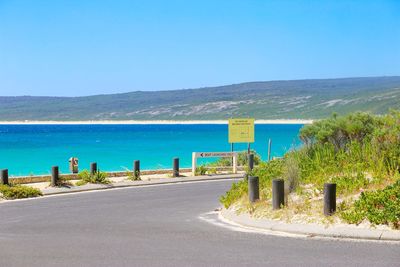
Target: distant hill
x=296 y=99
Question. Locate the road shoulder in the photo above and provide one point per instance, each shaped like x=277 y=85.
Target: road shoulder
x=310 y=230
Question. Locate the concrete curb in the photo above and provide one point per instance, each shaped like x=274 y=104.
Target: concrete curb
x=93 y=187
x=311 y=230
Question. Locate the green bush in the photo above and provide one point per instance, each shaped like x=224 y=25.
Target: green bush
x=205 y=169
x=201 y=170
x=211 y=170
x=319 y=164
x=357 y=152
x=291 y=171
x=234 y=194
x=98 y=178
x=378 y=207
x=266 y=171
x=241 y=161
x=386 y=141
x=133 y=176
x=339 y=131
x=348 y=184
x=19 y=191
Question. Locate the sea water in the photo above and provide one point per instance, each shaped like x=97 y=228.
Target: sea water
x=34 y=149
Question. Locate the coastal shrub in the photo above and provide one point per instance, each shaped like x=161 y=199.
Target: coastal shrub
x=97 y=178
x=136 y=176
x=238 y=190
x=291 y=171
x=358 y=152
x=19 y=191
x=63 y=182
x=266 y=171
x=378 y=207
x=201 y=170
x=242 y=160
x=205 y=169
x=355 y=143
x=386 y=141
x=211 y=170
x=347 y=184
x=133 y=176
x=339 y=131
x=322 y=163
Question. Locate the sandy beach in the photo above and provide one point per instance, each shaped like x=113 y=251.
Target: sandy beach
x=283 y=121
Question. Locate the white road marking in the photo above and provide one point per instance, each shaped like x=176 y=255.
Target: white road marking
x=215 y=218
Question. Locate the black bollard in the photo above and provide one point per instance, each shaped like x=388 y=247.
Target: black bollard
x=136 y=169
x=175 y=172
x=93 y=168
x=54 y=176
x=278 y=193
x=254 y=192
x=329 y=199
x=251 y=162
x=4 y=177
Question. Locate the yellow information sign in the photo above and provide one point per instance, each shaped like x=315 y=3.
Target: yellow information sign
x=241 y=130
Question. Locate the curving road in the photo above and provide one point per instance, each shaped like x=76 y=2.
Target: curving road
x=158 y=226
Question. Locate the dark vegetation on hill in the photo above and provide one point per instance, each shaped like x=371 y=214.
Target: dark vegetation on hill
x=297 y=99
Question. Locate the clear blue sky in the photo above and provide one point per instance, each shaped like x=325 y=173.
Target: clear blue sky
x=69 y=48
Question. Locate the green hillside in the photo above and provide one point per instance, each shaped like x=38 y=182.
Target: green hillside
x=296 y=99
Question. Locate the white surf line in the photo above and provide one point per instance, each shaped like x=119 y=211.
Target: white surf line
x=215 y=218
x=146 y=122
x=5 y=201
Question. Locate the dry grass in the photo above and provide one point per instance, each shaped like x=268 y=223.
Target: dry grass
x=303 y=208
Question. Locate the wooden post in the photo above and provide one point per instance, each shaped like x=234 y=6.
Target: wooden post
x=175 y=167
x=194 y=163
x=278 y=193
x=136 y=169
x=4 y=177
x=232 y=151
x=329 y=198
x=254 y=189
x=93 y=168
x=54 y=176
x=269 y=149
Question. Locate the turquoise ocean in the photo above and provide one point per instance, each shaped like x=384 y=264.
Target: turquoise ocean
x=33 y=149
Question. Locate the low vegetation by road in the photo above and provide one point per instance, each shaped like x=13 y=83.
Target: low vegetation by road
x=98 y=177
x=359 y=152
x=18 y=191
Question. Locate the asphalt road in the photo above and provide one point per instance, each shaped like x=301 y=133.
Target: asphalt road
x=158 y=226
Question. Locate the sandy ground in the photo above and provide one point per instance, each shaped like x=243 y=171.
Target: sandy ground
x=116 y=180
x=282 y=121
